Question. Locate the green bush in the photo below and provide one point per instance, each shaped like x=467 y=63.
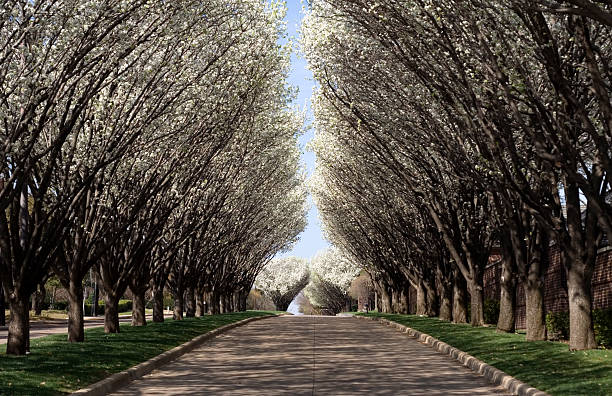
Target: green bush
x=124 y=306
x=602 y=323
x=557 y=324
x=491 y=311
x=59 y=305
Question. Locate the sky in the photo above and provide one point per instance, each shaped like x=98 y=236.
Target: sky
x=311 y=240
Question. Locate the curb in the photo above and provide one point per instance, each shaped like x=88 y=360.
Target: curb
x=492 y=374
x=123 y=378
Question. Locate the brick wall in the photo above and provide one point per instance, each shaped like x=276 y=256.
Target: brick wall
x=555 y=285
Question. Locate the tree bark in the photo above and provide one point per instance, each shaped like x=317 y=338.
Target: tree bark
x=199 y=304
x=431 y=307
x=230 y=303
x=76 y=331
x=38 y=299
x=223 y=308
x=215 y=303
x=582 y=335
x=459 y=298
x=476 y=304
x=158 y=305
x=446 y=308
x=506 y=320
x=94 y=299
x=177 y=314
x=18 y=342
x=111 y=313
x=421 y=302
x=138 y=309
x=243 y=301
x=385 y=299
x=534 y=308
x=2 y=307
x=190 y=303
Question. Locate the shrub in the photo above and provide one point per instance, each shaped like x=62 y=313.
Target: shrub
x=59 y=305
x=123 y=306
x=602 y=323
x=491 y=311
x=557 y=324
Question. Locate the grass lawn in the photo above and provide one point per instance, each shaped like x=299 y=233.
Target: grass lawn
x=56 y=366
x=548 y=366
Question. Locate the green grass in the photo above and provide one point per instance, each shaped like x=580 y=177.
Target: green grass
x=548 y=366
x=56 y=366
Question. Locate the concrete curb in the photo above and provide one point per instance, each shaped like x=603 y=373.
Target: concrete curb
x=123 y=378
x=492 y=374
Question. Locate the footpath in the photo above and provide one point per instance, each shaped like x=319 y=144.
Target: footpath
x=58 y=326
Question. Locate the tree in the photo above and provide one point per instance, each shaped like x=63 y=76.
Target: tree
x=282 y=279
x=331 y=275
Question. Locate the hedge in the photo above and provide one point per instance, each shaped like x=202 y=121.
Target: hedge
x=124 y=306
x=557 y=324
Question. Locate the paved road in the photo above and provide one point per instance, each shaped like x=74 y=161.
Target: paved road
x=295 y=355
x=59 y=326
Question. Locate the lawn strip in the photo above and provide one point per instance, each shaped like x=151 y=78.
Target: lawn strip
x=56 y=366
x=548 y=366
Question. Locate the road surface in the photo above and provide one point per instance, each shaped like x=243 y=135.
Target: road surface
x=305 y=355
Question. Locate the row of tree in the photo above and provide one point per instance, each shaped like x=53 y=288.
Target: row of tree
x=325 y=281
x=446 y=127
x=149 y=141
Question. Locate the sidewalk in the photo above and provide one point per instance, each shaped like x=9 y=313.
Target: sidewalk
x=58 y=326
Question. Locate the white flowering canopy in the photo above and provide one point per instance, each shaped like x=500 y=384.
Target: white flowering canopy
x=333 y=266
x=282 y=279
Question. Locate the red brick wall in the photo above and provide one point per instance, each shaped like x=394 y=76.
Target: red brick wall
x=555 y=286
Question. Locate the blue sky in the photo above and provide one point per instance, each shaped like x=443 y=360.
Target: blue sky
x=311 y=240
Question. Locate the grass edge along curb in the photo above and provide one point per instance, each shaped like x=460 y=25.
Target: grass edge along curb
x=492 y=374
x=123 y=378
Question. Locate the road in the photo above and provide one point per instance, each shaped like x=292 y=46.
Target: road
x=305 y=355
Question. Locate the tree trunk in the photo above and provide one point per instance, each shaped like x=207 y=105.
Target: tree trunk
x=421 y=302
x=94 y=300
x=385 y=300
x=199 y=304
x=138 y=309
x=158 y=305
x=207 y=299
x=431 y=308
x=459 y=298
x=18 y=342
x=476 y=304
x=243 y=301
x=190 y=303
x=76 y=332
x=38 y=299
x=2 y=307
x=505 y=322
x=178 y=306
x=534 y=310
x=229 y=305
x=215 y=303
x=582 y=335
x=222 y=308
x=446 y=308
x=395 y=302
x=111 y=313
